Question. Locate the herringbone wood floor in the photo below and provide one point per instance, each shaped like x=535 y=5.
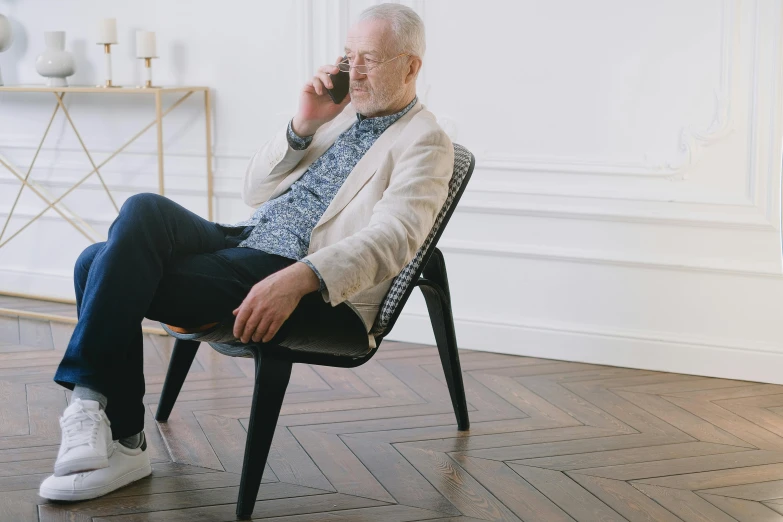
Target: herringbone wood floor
x=550 y=441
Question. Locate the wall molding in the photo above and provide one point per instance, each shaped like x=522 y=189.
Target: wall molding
x=645 y=350
x=51 y=217
x=737 y=221
x=692 y=139
x=767 y=196
x=761 y=176
x=593 y=257
x=533 y=164
x=94 y=186
x=98 y=146
x=604 y=194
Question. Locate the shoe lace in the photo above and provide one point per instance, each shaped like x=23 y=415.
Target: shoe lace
x=81 y=427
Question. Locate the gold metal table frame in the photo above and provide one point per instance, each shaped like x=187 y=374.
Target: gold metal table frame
x=56 y=203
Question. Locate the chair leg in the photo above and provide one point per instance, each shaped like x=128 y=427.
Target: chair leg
x=435 y=288
x=272 y=376
x=181 y=358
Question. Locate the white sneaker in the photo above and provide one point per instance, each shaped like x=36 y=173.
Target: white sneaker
x=86 y=437
x=125 y=466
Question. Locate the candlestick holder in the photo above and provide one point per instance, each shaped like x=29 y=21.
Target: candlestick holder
x=148 y=73
x=107 y=65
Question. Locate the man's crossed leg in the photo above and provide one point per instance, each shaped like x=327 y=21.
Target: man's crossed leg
x=162 y=262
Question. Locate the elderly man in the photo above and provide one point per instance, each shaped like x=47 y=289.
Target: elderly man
x=345 y=196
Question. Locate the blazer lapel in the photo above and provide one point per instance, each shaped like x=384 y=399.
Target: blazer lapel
x=367 y=166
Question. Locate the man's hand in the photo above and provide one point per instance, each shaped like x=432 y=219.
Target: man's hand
x=315 y=105
x=271 y=301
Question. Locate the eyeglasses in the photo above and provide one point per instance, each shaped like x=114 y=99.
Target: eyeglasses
x=345 y=66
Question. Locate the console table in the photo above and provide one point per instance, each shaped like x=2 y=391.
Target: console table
x=56 y=203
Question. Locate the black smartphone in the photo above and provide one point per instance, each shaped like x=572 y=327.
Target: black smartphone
x=340 y=82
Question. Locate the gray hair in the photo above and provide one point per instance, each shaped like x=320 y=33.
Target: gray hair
x=406 y=25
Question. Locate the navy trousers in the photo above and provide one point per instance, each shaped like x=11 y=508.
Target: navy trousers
x=163 y=262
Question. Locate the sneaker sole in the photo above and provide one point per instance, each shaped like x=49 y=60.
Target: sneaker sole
x=87 y=494
x=80 y=466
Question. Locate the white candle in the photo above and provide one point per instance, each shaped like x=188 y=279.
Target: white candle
x=107 y=31
x=145 y=44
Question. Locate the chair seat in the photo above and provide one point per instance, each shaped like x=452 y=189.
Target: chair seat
x=314 y=332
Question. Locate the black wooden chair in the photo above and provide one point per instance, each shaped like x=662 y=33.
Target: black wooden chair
x=317 y=333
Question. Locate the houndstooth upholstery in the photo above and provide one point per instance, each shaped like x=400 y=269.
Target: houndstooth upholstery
x=462 y=161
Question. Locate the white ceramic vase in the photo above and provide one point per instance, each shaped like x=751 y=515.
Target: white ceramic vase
x=55 y=63
x=6 y=38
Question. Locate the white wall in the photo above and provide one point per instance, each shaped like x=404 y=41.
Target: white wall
x=625 y=207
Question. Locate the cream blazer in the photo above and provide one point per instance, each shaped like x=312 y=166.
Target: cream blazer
x=382 y=213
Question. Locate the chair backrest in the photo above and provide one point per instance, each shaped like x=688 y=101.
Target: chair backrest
x=402 y=285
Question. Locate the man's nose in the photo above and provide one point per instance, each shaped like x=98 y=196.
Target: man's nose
x=355 y=75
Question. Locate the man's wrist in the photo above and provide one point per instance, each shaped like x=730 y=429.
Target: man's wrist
x=297 y=142
x=303 y=128
x=311 y=266
x=303 y=279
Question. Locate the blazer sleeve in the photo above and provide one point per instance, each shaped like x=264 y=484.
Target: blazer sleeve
x=268 y=167
x=399 y=224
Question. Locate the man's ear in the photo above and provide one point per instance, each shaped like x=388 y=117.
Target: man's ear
x=413 y=69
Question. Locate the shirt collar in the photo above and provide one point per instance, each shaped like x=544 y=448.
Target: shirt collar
x=381 y=123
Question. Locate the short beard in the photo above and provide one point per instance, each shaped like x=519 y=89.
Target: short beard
x=378 y=100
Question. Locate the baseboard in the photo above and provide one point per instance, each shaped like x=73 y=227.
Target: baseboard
x=639 y=351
